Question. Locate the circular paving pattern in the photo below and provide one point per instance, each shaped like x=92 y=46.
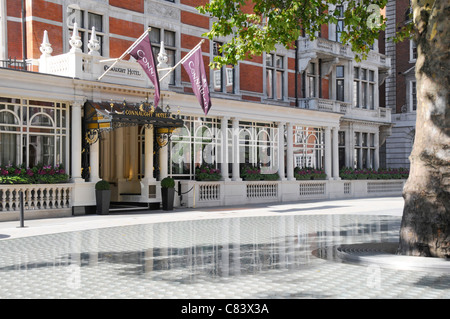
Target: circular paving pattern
x=250 y=257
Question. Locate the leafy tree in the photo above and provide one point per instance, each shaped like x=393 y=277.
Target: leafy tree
x=258 y=26
x=254 y=27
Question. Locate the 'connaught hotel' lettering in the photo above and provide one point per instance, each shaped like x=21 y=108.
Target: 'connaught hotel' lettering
x=127 y=71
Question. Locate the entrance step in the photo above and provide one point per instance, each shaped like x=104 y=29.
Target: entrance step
x=123 y=206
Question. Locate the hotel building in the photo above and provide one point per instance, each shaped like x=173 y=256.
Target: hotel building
x=313 y=106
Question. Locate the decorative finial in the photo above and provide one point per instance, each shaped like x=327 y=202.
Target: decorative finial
x=94 y=44
x=46 y=47
x=162 y=56
x=75 y=40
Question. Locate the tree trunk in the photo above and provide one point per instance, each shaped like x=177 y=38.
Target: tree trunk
x=425 y=228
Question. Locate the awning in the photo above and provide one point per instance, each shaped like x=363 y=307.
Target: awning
x=105 y=116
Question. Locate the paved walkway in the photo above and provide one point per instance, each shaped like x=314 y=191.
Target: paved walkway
x=259 y=251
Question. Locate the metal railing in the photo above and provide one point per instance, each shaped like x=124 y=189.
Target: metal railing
x=16 y=64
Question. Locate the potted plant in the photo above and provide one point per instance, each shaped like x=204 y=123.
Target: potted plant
x=167 y=193
x=102 y=197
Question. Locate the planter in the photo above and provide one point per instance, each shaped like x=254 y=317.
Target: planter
x=167 y=197
x=103 y=199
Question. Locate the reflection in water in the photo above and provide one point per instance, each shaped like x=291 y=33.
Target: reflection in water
x=186 y=251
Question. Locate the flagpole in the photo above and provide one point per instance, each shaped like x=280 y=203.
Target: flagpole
x=126 y=52
x=181 y=61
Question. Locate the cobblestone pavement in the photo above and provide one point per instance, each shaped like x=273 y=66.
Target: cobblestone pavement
x=260 y=253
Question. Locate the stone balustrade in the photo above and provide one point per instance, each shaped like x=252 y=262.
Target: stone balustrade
x=43 y=198
x=224 y=193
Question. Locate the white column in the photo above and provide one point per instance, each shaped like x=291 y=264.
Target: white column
x=348 y=149
x=148 y=144
x=94 y=156
x=281 y=151
x=224 y=131
x=290 y=153
x=163 y=158
x=360 y=151
x=235 y=173
x=76 y=142
x=335 y=154
x=376 y=165
x=328 y=153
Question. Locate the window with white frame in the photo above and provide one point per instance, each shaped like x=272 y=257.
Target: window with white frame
x=356 y=88
x=258 y=146
x=413 y=95
x=156 y=36
x=364 y=150
x=364 y=88
x=274 y=76
x=85 y=21
x=223 y=78
x=340 y=23
x=308 y=147
x=340 y=95
x=197 y=142
x=412 y=50
x=33 y=132
x=313 y=79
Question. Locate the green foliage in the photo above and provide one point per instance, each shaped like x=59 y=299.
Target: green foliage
x=102 y=185
x=367 y=173
x=250 y=173
x=270 y=177
x=168 y=182
x=39 y=174
x=207 y=172
x=308 y=173
x=258 y=26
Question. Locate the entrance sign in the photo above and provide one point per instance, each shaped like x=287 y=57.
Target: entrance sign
x=106 y=116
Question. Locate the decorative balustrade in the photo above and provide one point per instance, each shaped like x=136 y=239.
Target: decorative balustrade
x=336 y=49
x=223 y=193
x=35 y=197
x=262 y=190
x=384 y=186
x=312 y=189
x=209 y=192
x=324 y=105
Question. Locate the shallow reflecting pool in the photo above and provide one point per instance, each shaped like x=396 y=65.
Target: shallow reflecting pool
x=254 y=257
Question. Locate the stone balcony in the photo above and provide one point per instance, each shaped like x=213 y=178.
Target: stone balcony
x=324 y=48
x=380 y=114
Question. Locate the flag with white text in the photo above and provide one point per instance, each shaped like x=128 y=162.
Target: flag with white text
x=143 y=53
x=195 y=68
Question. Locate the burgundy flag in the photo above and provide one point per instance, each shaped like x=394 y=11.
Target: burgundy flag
x=196 y=69
x=143 y=53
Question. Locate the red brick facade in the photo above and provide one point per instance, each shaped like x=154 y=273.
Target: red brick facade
x=122 y=32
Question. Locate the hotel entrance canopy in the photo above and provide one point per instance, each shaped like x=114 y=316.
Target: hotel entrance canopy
x=105 y=116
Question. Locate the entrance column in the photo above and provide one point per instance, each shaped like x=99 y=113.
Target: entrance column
x=236 y=175
x=281 y=172
x=328 y=154
x=335 y=154
x=224 y=131
x=290 y=153
x=94 y=160
x=119 y=153
x=148 y=164
x=163 y=158
x=76 y=142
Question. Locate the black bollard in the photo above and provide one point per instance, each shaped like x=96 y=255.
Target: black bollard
x=21 y=210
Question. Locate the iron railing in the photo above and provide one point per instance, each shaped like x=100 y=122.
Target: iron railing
x=16 y=64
